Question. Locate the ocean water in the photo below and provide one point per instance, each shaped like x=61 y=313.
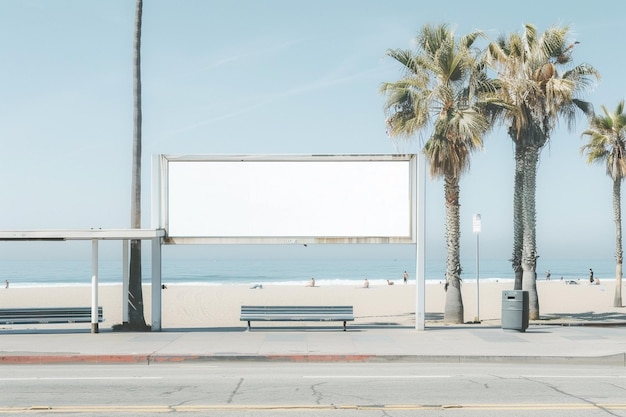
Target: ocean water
x=22 y=273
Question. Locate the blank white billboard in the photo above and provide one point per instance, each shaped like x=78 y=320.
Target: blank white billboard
x=287 y=199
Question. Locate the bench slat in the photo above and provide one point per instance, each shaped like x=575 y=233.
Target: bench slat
x=297 y=313
x=45 y=315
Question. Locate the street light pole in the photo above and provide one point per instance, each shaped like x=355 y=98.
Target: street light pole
x=476 y=223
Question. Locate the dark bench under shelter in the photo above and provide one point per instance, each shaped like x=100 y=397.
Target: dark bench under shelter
x=297 y=313
x=47 y=315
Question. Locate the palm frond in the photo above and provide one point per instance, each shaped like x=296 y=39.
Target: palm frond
x=607 y=141
x=441 y=97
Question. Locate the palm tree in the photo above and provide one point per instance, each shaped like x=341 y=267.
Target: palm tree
x=136 y=320
x=438 y=93
x=607 y=144
x=533 y=96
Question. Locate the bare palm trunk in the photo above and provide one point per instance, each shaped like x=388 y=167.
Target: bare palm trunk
x=136 y=318
x=518 y=237
x=454 y=302
x=529 y=251
x=619 y=255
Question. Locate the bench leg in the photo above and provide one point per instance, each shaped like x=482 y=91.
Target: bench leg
x=344 y=326
x=248 y=325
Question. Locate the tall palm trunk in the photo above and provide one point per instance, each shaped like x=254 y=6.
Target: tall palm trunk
x=518 y=238
x=136 y=318
x=454 y=302
x=529 y=250
x=619 y=255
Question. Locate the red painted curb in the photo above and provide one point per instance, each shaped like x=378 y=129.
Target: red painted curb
x=111 y=359
x=51 y=359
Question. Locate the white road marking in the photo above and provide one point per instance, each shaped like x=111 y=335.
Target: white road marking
x=86 y=378
x=377 y=376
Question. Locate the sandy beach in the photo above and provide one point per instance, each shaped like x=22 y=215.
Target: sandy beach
x=206 y=306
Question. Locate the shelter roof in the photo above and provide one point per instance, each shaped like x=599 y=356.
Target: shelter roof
x=81 y=234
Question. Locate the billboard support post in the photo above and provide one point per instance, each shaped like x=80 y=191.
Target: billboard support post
x=420 y=224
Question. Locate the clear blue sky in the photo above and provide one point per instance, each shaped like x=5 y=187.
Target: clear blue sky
x=248 y=77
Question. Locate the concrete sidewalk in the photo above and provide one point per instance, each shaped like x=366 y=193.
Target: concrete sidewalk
x=568 y=344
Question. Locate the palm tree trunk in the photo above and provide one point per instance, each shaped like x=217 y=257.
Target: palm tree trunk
x=453 y=312
x=136 y=318
x=619 y=255
x=529 y=250
x=518 y=238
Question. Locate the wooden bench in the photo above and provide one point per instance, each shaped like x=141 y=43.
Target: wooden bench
x=297 y=313
x=45 y=315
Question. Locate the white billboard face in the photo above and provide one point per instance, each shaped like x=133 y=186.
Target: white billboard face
x=287 y=199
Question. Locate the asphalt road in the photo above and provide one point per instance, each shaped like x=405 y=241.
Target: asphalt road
x=247 y=388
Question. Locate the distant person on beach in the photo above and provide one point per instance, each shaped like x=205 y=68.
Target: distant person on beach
x=389 y=282
x=405 y=276
x=548 y=275
x=6 y=283
x=312 y=283
x=366 y=283
x=591 y=275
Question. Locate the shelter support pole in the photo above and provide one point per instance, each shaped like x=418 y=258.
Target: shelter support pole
x=94 y=286
x=156 y=284
x=125 y=280
x=420 y=223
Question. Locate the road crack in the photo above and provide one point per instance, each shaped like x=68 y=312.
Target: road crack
x=234 y=392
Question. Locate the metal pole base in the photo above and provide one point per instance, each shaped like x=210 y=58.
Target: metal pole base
x=94 y=328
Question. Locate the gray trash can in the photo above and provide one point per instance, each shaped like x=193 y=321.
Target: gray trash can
x=515 y=310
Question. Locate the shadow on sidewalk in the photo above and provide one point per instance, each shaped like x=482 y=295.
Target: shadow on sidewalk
x=587 y=318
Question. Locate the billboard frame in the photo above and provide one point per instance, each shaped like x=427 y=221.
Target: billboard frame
x=161 y=200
